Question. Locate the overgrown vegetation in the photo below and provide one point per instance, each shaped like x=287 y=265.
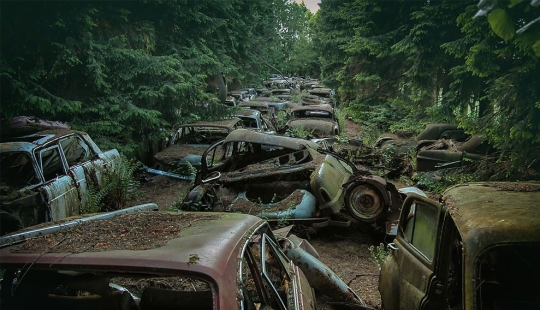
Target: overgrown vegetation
x=378 y=254
x=125 y=70
x=436 y=63
x=118 y=185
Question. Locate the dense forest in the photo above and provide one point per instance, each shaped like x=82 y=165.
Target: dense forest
x=128 y=71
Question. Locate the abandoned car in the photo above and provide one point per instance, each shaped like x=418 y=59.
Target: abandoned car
x=319 y=120
x=253 y=119
x=477 y=248
x=448 y=154
x=428 y=136
x=48 y=175
x=277 y=177
x=189 y=141
x=164 y=260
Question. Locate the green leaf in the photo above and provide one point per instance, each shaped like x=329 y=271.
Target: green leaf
x=514 y=3
x=536 y=48
x=502 y=24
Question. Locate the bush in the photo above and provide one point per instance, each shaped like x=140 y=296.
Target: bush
x=115 y=189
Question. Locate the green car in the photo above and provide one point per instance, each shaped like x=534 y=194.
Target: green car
x=478 y=249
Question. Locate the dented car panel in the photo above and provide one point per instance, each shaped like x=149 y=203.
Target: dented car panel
x=476 y=249
x=236 y=257
x=47 y=175
x=278 y=176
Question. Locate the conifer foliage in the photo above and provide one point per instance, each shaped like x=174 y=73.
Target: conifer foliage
x=122 y=70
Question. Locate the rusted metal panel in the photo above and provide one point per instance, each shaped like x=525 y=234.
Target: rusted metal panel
x=62 y=198
x=497 y=212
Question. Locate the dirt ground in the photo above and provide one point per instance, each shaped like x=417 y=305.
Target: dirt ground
x=344 y=249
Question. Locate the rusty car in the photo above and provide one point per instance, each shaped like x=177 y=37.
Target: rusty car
x=136 y=258
x=278 y=177
x=477 y=247
x=188 y=142
x=449 y=154
x=430 y=134
x=47 y=175
x=254 y=120
x=320 y=120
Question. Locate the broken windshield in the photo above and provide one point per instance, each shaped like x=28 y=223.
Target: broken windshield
x=17 y=170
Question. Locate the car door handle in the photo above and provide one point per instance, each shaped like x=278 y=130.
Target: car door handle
x=392 y=246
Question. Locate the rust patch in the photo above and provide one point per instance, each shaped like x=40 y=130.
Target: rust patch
x=139 y=231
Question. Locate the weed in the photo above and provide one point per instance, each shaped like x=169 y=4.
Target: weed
x=115 y=187
x=378 y=254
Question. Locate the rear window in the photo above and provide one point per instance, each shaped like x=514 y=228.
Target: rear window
x=76 y=289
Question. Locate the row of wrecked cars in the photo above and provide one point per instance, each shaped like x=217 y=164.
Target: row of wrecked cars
x=474 y=248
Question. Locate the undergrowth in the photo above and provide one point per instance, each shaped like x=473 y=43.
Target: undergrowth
x=115 y=188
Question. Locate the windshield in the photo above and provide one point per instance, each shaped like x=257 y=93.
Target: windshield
x=508 y=277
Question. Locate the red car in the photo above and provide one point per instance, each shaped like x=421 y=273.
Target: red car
x=137 y=259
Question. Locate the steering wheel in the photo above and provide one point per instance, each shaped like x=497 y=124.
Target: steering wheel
x=203 y=137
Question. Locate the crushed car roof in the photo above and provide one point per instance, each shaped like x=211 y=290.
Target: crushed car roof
x=245 y=135
x=495 y=212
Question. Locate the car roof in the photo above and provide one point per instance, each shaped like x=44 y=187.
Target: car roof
x=29 y=142
x=492 y=213
x=226 y=123
x=245 y=135
x=248 y=112
x=253 y=103
x=321 y=107
x=214 y=239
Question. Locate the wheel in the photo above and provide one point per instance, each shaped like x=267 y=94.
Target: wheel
x=364 y=202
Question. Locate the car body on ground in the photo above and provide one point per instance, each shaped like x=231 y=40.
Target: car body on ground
x=137 y=259
x=48 y=175
x=319 y=120
x=189 y=141
x=278 y=177
x=449 y=154
x=475 y=248
x=428 y=136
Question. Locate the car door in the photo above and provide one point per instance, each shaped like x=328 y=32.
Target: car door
x=84 y=166
x=60 y=190
x=408 y=277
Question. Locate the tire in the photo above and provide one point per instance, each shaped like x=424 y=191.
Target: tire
x=364 y=202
